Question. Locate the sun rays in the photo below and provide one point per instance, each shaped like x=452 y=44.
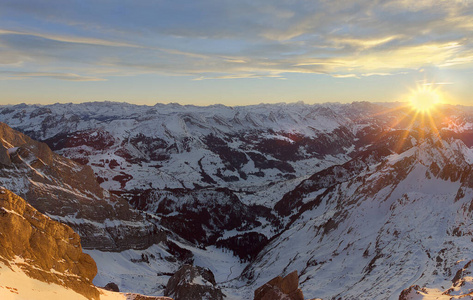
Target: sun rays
x=424 y=99
x=419 y=116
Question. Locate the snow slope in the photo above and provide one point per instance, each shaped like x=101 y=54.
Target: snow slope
x=358 y=198
x=405 y=221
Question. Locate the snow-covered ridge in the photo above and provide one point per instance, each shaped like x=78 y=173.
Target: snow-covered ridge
x=342 y=193
x=174 y=146
x=278 y=117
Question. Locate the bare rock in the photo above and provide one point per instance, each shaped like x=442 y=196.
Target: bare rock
x=191 y=283
x=290 y=283
x=111 y=286
x=44 y=249
x=280 y=288
x=132 y=296
x=4 y=157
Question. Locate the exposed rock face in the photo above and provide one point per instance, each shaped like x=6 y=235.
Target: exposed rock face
x=44 y=249
x=69 y=192
x=410 y=293
x=202 y=215
x=191 y=283
x=280 y=288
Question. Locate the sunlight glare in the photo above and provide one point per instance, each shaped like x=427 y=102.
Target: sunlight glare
x=424 y=99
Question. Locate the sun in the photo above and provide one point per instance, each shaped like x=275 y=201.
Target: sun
x=424 y=99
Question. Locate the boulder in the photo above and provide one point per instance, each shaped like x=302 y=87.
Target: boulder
x=191 y=283
x=131 y=296
x=280 y=288
x=111 y=286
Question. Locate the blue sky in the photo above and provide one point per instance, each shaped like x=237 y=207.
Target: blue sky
x=233 y=52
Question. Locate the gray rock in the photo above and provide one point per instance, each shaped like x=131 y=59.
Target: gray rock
x=193 y=283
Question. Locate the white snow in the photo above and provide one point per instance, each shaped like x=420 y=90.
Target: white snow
x=16 y=285
x=390 y=229
x=130 y=273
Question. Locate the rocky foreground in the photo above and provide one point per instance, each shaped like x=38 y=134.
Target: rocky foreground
x=42 y=248
x=46 y=251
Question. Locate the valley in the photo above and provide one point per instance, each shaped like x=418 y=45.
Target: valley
x=363 y=200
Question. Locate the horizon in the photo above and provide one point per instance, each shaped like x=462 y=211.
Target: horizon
x=398 y=104
x=234 y=54
x=404 y=103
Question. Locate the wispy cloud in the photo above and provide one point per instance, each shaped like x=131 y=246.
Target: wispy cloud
x=68 y=38
x=227 y=40
x=60 y=76
x=436 y=83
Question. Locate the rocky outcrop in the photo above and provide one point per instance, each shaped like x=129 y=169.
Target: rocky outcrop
x=111 y=286
x=201 y=216
x=69 y=192
x=280 y=288
x=44 y=249
x=191 y=283
x=4 y=157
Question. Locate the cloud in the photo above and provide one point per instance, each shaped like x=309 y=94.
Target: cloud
x=345 y=76
x=233 y=39
x=60 y=76
x=436 y=83
x=68 y=39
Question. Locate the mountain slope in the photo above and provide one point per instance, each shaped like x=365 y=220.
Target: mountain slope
x=407 y=215
x=69 y=192
x=363 y=200
x=43 y=259
x=173 y=146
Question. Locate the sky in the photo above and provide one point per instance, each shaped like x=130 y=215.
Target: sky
x=234 y=52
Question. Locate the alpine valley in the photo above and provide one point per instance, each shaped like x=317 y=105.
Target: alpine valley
x=363 y=200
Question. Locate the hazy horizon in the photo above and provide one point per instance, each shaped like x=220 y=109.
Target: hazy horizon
x=234 y=53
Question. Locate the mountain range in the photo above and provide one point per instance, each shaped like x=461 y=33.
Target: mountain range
x=363 y=200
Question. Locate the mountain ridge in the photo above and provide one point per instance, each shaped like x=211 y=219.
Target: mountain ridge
x=67 y=191
x=342 y=193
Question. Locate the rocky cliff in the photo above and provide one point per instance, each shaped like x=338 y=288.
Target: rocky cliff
x=42 y=248
x=69 y=192
x=193 y=282
x=280 y=288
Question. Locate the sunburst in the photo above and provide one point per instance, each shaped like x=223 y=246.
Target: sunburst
x=421 y=115
x=424 y=99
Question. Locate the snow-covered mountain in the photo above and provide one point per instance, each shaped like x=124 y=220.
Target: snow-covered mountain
x=172 y=146
x=388 y=221
x=364 y=200
x=68 y=192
